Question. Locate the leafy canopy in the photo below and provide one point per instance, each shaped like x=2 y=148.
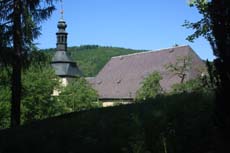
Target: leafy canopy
x=150 y=87
x=79 y=95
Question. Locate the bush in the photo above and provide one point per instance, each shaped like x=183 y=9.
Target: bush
x=195 y=85
x=79 y=95
x=150 y=87
x=37 y=101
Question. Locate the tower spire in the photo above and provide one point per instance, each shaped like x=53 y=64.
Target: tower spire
x=63 y=65
x=62 y=10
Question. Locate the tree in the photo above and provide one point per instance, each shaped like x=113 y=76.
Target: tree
x=150 y=87
x=19 y=25
x=195 y=85
x=79 y=95
x=215 y=27
x=39 y=83
x=203 y=26
x=181 y=67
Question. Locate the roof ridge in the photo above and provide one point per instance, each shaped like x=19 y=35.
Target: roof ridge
x=150 y=51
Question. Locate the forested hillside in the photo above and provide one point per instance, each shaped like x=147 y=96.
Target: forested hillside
x=91 y=58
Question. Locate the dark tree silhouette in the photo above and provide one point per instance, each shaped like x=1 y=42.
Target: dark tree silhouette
x=219 y=14
x=215 y=27
x=19 y=26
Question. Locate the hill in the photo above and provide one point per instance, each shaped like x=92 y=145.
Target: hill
x=175 y=124
x=91 y=58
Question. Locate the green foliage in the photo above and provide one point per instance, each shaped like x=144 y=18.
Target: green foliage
x=78 y=95
x=195 y=85
x=4 y=98
x=19 y=26
x=92 y=58
x=27 y=16
x=203 y=27
x=181 y=122
x=4 y=114
x=39 y=82
x=4 y=107
x=37 y=100
x=38 y=58
x=150 y=87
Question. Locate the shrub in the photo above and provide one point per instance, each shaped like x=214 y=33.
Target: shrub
x=79 y=95
x=150 y=87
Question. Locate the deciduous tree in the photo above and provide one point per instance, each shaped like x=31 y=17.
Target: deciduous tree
x=79 y=95
x=39 y=83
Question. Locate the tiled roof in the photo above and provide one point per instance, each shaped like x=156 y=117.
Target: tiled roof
x=121 y=77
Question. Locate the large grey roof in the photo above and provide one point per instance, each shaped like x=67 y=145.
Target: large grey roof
x=121 y=77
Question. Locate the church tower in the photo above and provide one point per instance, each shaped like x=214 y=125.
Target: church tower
x=63 y=65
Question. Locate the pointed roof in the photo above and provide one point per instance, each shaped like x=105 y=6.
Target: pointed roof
x=63 y=65
x=66 y=69
x=122 y=76
x=62 y=57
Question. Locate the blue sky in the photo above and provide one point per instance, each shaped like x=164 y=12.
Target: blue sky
x=136 y=24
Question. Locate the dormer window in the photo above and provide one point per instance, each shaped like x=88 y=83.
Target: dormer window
x=119 y=81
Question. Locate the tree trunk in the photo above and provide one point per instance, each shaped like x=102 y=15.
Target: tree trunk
x=16 y=65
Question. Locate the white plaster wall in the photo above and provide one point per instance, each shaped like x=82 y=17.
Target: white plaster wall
x=64 y=83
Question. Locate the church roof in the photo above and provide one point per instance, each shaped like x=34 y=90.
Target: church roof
x=122 y=76
x=61 y=56
x=66 y=69
x=63 y=65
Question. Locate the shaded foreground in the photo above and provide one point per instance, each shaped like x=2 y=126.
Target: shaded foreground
x=176 y=124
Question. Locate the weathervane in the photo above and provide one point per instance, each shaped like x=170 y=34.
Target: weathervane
x=62 y=11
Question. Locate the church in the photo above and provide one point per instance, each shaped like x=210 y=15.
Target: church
x=122 y=76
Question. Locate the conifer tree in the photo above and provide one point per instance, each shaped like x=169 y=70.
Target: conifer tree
x=19 y=26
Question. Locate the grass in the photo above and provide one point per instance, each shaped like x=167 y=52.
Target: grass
x=184 y=122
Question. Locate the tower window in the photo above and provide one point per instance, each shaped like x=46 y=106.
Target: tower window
x=58 y=39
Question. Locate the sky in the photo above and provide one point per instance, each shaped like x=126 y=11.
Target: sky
x=135 y=24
